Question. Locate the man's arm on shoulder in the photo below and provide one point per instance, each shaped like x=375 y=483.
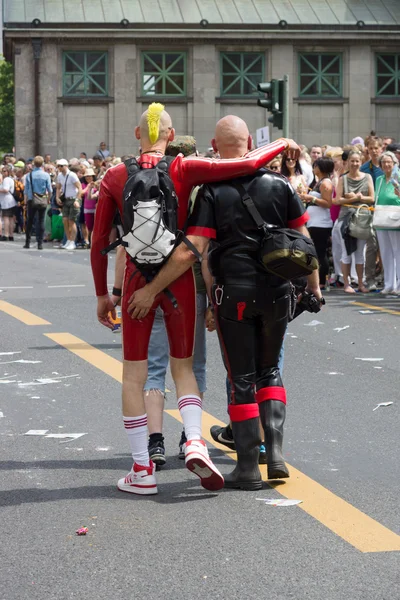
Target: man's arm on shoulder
x=179 y=262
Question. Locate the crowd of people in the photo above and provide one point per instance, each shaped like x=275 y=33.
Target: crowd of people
x=331 y=182
x=55 y=199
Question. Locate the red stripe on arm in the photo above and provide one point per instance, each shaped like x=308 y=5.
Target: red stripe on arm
x=206 y=232
x=299 y=221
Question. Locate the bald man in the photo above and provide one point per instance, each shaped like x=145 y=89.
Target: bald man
x=186 y=172
x=251 y=306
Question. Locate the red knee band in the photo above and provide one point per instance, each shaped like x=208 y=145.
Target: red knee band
x=271 y=393
x=242 y=412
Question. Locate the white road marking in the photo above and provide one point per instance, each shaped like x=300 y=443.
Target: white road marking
x=17 y=287
x=75 y=285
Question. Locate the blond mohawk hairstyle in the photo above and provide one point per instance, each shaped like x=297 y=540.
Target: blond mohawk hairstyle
x=153 y=120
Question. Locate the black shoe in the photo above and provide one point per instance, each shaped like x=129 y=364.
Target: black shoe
x=40 y=246
x=182 y=443
x=246 y=475
x=3 y=238
x=11 y=238
x=223 y=435
x=157 y=449
x=26 y=245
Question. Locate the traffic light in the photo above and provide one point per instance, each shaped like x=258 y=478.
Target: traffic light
x=274 y=101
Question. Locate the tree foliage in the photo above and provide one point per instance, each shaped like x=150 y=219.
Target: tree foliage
x=6 y=106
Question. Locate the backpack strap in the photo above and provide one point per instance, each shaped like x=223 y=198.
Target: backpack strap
x=132 y=166
x=248 y=202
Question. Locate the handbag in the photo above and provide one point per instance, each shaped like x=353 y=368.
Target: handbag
x=360 y=226
x=38 y=200
x=284 y=252
x=386 y=216
x=62 y=195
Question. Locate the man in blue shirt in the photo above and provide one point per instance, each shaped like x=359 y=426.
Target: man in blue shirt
x=37 y=197
x=374 y=145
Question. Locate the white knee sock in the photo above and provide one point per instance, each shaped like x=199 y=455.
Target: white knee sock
x=136 y=428
x=191 y=412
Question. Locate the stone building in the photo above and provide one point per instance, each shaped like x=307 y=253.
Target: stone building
x=86 y=69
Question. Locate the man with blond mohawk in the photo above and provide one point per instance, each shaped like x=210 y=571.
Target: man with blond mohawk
x=155 y=131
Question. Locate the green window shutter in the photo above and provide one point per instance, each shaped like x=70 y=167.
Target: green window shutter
x=320 y=75
x=164 y=73
x=241 y=72
x=85 y=73
x=387 y=75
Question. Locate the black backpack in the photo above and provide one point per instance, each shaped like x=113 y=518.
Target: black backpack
x=150 y=215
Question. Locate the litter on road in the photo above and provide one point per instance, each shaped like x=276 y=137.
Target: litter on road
x=10 y=353
x=280 y=501
x=36 y=432
x=366 y=312
x=1 y=415
x=339 y=329
x=65 y=436
x=313 y=323
x=82 y=531
x=370 y=359
x=382 y=404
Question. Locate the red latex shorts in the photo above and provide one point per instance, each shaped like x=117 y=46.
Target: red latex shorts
x=180 y=322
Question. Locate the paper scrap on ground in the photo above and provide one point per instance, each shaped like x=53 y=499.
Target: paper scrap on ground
x=9 y=353
x=65 y=436
x=280 y=501
x=313 y=323
x=7 y=376
x=7 y=381
x=382 y=404
x=46 y=380
x=370 y=359
x=36 y=432
x=378 y=367
x=35 y=397
x=335 y=373
x=339 y=329
x=366 y=312
x=1 y=415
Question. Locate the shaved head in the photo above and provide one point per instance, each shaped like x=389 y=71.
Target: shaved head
x=155 y=128
x=232 y=137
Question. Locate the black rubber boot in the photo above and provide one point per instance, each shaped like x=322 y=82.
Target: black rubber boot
x=272 y=414
x=27 y=244
x=246 y=475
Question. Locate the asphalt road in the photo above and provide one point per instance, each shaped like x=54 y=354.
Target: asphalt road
x=342 y=542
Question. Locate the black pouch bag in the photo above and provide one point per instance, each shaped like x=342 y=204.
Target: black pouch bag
x=284 y=252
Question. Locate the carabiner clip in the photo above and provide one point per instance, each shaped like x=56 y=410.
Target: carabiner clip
x=219 y=294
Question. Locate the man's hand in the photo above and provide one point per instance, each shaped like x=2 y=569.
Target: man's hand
x=59 y=202
x=105 y=306
x=315 y=290
x=292 y=150
x=116 y=300
x=209 y=319
x=141 y=302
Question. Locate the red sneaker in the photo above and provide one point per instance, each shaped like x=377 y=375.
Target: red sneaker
x=199 y=463
x=140 y=480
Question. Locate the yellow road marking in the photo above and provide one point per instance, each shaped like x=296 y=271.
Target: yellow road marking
x=379 y=308
x=351 y=524
x=21 y=314
x=97 y=358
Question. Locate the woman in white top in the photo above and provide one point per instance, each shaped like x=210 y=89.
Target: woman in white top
x=319 y=203
x=7 y=203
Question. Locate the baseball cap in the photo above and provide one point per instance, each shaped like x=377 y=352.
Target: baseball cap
x=62 y=163
x=357 y=140
x=19 y=164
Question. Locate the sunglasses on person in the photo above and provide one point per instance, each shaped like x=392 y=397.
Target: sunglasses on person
x=274 y=168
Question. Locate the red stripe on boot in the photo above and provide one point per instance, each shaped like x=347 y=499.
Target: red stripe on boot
x=274 y=392
x=242 y=412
